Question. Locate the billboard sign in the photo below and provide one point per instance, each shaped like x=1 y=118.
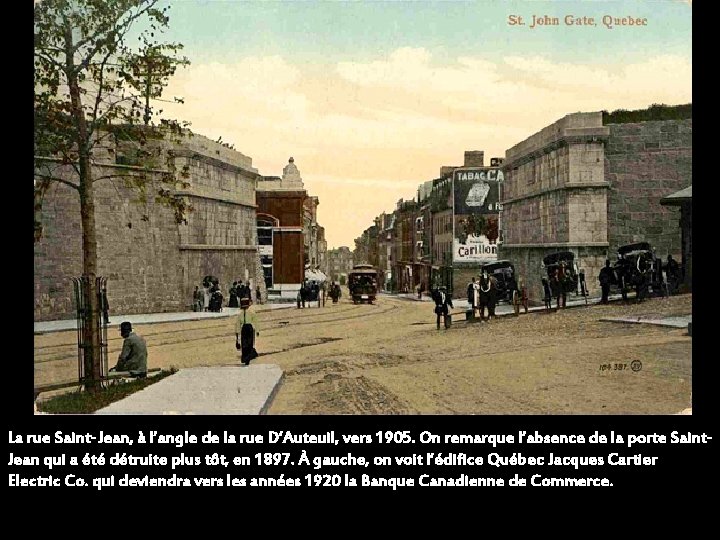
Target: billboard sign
x=476 y=210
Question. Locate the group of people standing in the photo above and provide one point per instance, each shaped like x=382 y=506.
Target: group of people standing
x=559 y=284
x=210 y=296
x=482 y=293
x=239 y=290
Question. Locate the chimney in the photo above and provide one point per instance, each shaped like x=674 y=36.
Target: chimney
x=446 y=170
x=474 y=158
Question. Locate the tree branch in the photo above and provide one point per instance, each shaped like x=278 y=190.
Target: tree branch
x=60 y=180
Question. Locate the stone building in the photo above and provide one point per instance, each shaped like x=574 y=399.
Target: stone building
x=314 y=235
x=385 y=223
x=340 y=262
x=589 y=186
x=322 y=250
x=151 y=261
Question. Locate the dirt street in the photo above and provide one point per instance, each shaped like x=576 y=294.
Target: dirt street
x=388 y=358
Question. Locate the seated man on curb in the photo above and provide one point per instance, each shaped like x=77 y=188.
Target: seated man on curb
x=133 y=357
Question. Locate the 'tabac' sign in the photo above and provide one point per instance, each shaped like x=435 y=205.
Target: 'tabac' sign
x=476 y=208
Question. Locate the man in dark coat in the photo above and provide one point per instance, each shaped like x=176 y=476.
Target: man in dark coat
x=442 y=301
x=471 y=295
x=547 y=293
x=484 y=296
x=303 y=293
x=492 y=296
x=672 y=271
x=233 y=295
x=606 y=278
x=133 y=357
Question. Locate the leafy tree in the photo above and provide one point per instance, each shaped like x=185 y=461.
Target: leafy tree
x=91 y=86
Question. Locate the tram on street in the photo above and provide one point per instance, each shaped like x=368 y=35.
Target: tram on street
x=363 y=283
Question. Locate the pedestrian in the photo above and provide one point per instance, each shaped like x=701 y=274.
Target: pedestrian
x=104 y=306
x=206 y=298
x=547 y=294
x=492 y=296
x=258 y=295
x=246 y=329
x=484 y=295
x=562 y=284
x=233 y=302
x=303 y=294
x=606 y=278
x=471 y=296
x=672 y=271
x=218 y=300
x=198 y=299
x=442 y=301
x=133 y=357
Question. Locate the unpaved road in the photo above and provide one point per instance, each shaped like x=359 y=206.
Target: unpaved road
x=388 y=358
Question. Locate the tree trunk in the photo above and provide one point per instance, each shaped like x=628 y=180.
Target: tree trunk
x=92 y=356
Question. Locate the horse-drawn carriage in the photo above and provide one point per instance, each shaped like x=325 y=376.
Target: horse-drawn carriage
x=504 y=274
x=563 y=276
x=637 y=268
x=510 y=289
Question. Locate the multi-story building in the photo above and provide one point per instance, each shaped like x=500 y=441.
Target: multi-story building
x=280 y=222
x=322 y=250
x=339 y=263
x=384 y=224
x=403 y=251
x=592 y=182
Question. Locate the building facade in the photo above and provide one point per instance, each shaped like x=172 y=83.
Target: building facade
x=589 y=186
x=281 y=218
x=340 y=263
x=151 y=257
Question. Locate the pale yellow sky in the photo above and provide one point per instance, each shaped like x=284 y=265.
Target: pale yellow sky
x=366 y=133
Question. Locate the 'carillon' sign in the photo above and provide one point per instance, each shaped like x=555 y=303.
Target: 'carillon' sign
x=476 y=208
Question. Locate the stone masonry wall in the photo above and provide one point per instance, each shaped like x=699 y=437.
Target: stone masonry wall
x=645 y=162
x=138 y=256
x=151 y=262
x=528 y=267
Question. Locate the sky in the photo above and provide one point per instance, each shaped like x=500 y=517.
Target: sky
x=372 y=98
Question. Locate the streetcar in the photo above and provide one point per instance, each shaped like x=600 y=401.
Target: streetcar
x=363 y=283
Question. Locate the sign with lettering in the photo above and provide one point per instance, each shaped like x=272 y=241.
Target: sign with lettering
x=476 y=210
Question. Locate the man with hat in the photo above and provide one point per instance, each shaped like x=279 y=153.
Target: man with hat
x=133 y=357
x=246 y=328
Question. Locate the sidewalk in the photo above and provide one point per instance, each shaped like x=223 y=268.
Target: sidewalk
x=206 y=390
x=461 y=304
x=46 y=327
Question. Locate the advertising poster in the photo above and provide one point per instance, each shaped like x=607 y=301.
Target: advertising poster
x=476 y=204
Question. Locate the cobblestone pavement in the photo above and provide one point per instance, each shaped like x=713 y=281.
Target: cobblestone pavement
x=388 y=358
